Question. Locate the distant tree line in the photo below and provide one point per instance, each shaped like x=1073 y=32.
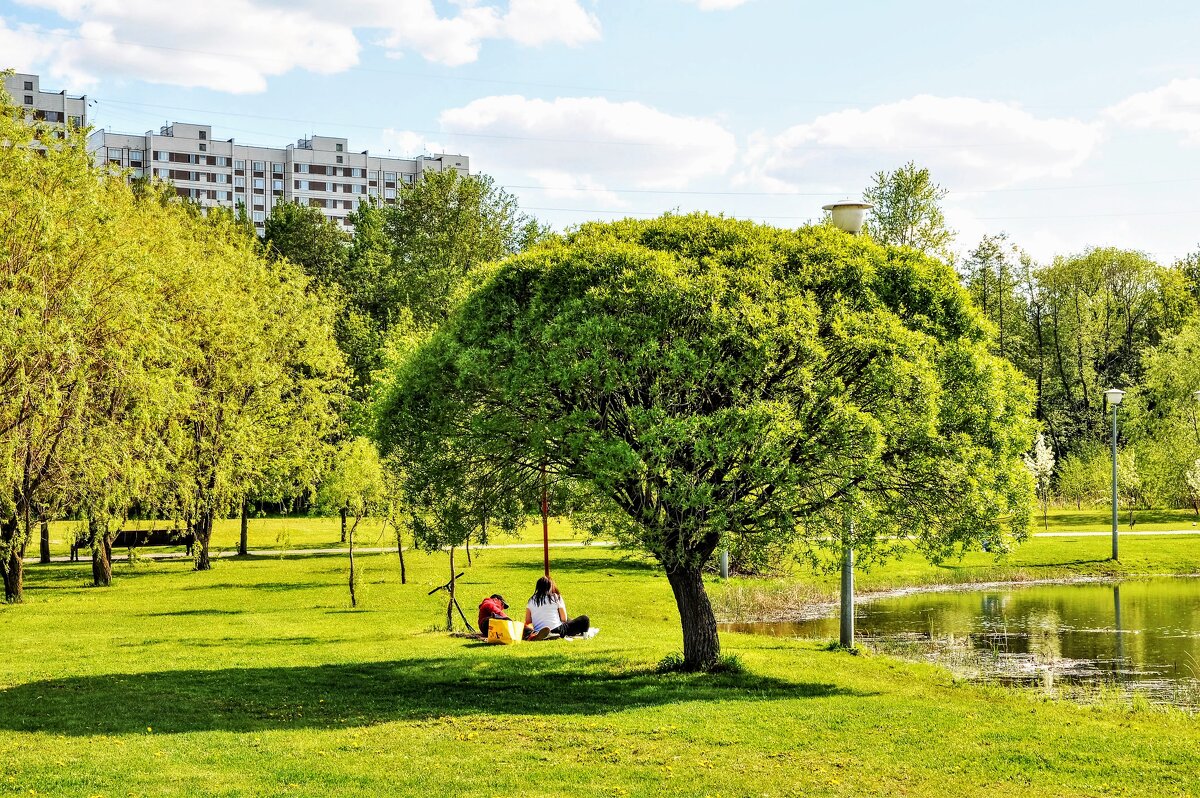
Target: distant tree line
x=1076 y=326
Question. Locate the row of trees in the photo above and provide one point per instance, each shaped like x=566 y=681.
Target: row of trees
x=152 y=362
x=160 y=361
x=1075 y=327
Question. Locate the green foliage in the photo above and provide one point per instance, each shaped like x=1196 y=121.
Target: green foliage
x=308 y=238
x=443 y=230
x=355 y=481
x=151 y=360
x=1103 y=310
x=1084 y=475
x=707 y=379
x=907 y=211
x=1164 y=416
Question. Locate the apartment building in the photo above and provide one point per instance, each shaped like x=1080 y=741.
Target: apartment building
x=320 y=171
x=26 y=91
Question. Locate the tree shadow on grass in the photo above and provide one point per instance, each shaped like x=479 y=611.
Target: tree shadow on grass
x=342 y=695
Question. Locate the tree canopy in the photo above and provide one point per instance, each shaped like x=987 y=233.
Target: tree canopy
x=708 y=379
x=907 y=211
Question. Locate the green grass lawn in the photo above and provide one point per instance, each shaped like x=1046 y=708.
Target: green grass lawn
x=256 y=678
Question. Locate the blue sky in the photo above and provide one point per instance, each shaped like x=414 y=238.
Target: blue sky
x=1066 y=125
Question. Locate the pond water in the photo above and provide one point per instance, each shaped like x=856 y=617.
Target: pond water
x=1142 y=635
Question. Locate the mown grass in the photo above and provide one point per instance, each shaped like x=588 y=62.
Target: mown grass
x=257 y=679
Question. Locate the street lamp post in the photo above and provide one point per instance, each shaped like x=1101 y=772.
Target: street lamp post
x=848 y=215
x=1114 y=397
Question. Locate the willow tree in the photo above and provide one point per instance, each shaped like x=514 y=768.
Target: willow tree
x=82 y=359
x=266 y=372
x=714 y=381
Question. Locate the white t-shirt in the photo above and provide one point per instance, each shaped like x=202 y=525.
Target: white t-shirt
x=546 y=613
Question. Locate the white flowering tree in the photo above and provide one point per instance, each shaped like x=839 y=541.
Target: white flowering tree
x=1041 y=465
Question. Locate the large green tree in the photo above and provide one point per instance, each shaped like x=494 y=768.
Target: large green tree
x=87 y=371
x=710 y=380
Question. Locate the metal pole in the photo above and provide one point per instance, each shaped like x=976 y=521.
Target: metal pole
x=545 y=523
x=724 y=563
x=847 y=636
x=1114 y=484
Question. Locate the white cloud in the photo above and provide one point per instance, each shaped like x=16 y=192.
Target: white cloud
x=233 y=45
x=537 y=22
x=407 y=143
x=574 y=188
x=236 y=45
x=23 y=47
x=966 y=143
x=598 y=141
x=717 y=5
x=1174 y=107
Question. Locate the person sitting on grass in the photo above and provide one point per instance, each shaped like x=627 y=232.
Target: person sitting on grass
x=492 y=607
x=546 y=614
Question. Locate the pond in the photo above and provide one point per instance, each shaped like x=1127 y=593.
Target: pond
x=1140 y=635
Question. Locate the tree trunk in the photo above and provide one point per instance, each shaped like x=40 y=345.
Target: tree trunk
x=101 y=554
x=44 y=541
x=353 y=597
x=400 y=551
x=450 y=603
x=342 y=513
x=701 y=647
x=13 y=573
x=469 y=550
x=203 y=530
x=244 y=540
x=12 y=565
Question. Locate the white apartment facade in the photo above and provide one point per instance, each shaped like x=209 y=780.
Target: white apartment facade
x=59 y=107
x=320 y=171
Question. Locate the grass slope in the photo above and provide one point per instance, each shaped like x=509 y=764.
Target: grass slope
x=257 y=679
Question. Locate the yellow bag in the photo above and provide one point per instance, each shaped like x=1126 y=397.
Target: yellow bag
x=504 y=632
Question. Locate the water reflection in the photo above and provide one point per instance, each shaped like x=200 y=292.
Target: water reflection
x=1142 y=634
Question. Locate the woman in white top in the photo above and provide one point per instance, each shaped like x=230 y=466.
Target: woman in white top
x=546 y=613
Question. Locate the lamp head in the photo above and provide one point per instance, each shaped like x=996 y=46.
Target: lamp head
x=848 y=214
x=1114 y=396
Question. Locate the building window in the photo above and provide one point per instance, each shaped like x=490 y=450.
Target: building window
x=339 y=159
x=29 y=85
x=203 y=135
x=277 y=168
x=29 y=99
x=259 y=216
x=239 y=164
x=408 y=178
x=339 y=148
x=135 y=155
x=114 y=152
x=203 y=148
x=76 y=121
x=258 y=166
x=277 y=185
x=302 y=168
x=389 y=193
x=259 y=182
x=389 y=175
x=240 y=182
x=222 y=178
x=302 y=185
x=373 y=175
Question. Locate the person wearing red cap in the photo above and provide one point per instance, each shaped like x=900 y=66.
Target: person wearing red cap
x=492 y=607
